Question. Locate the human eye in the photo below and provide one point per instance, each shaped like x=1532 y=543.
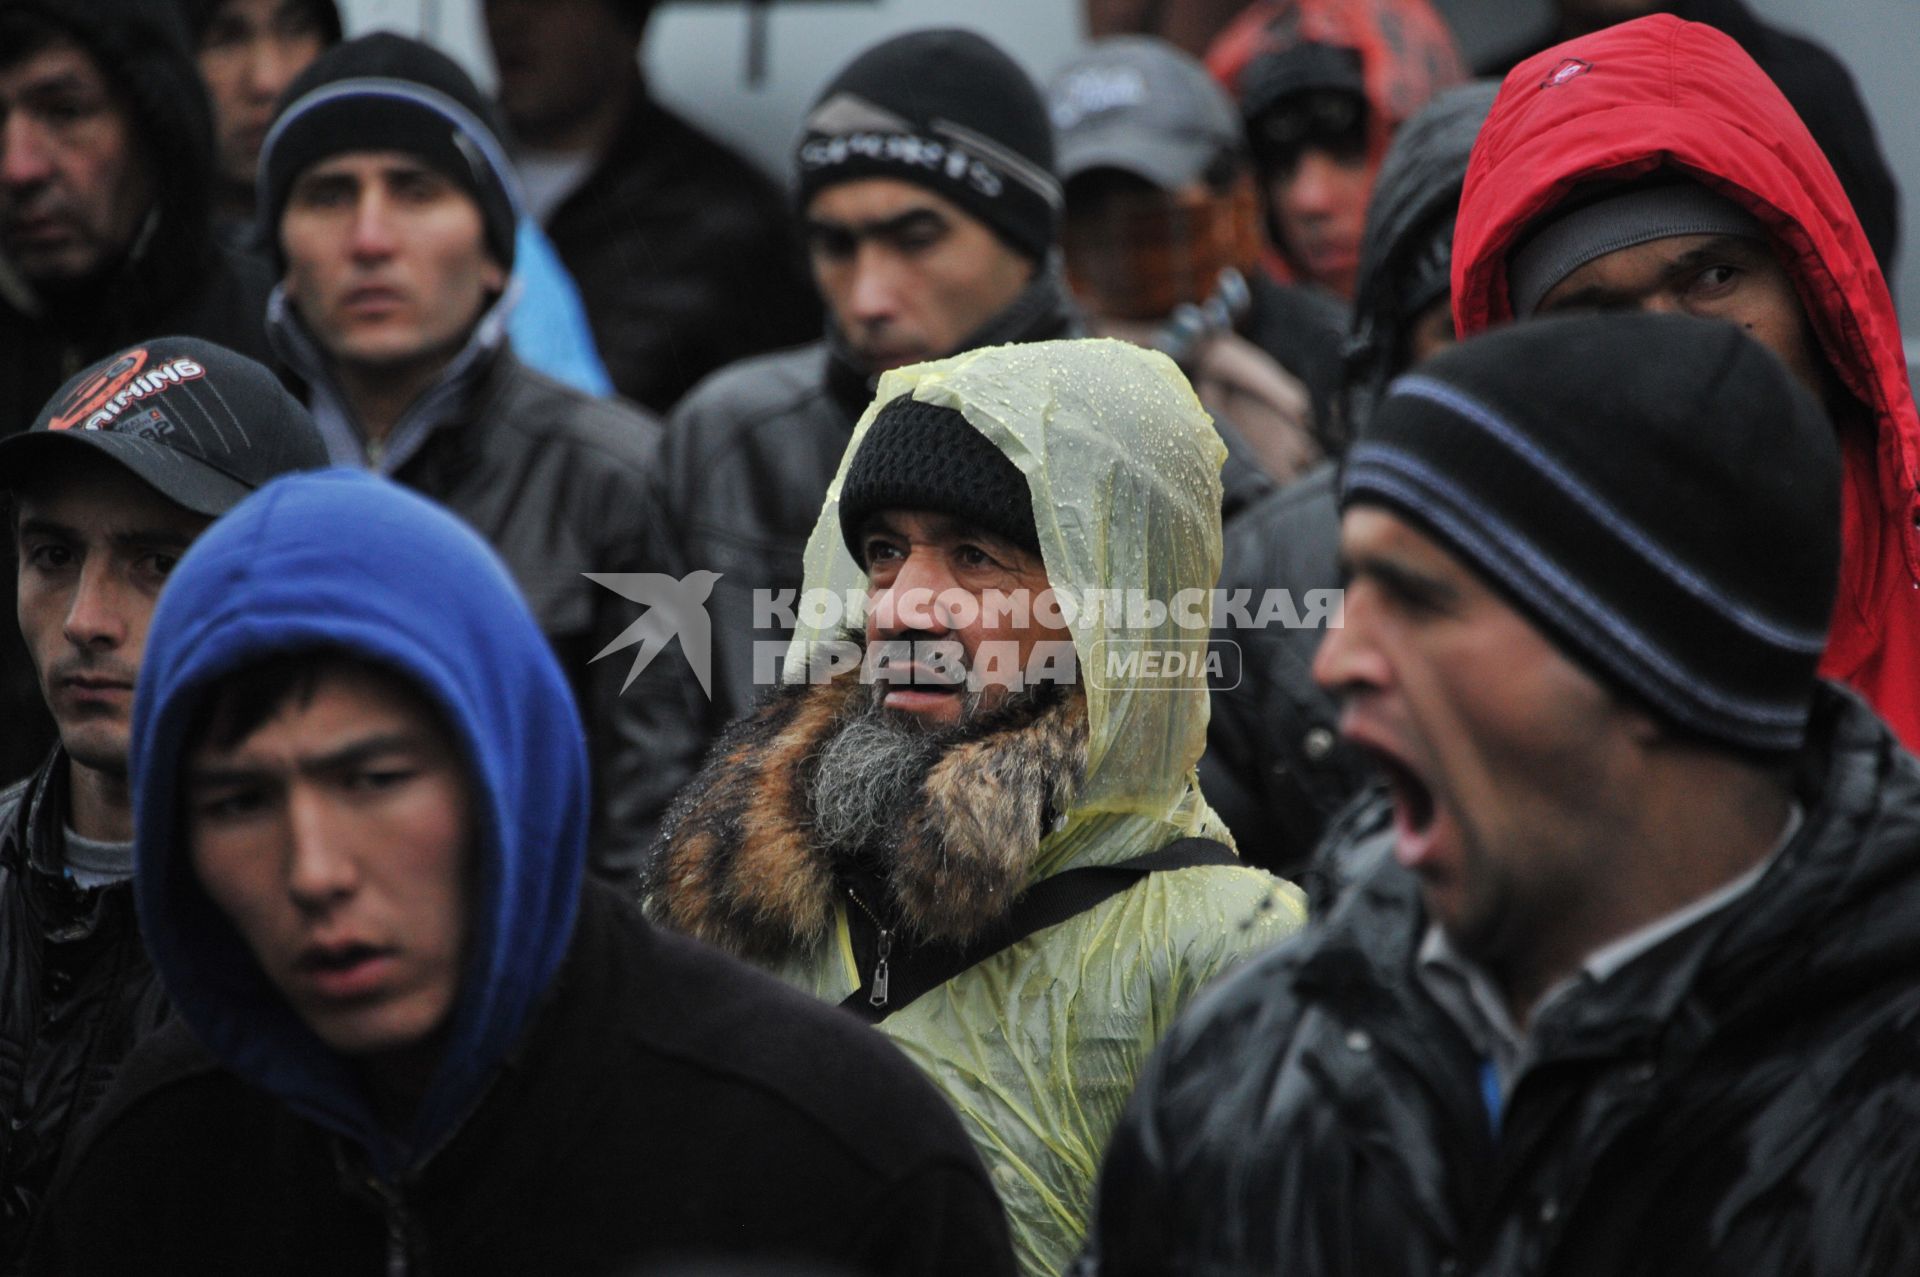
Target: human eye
x=48 y=556
x=232 y=802
x=831 y=243
x=1713 y=281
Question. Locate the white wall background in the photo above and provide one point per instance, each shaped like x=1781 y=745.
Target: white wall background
x=697 y=61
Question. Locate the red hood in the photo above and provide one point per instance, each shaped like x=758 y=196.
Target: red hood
x=1406 y=52
x=1661 y=92
x=1407 y=55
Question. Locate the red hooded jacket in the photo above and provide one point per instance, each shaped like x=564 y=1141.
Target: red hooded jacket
x=1659 y=92
x=1407 y=55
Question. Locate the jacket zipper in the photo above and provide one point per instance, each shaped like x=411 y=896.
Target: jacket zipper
x=398 y=1226
x=882 y=949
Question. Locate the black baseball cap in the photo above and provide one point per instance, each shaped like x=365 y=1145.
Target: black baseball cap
x=200 y=424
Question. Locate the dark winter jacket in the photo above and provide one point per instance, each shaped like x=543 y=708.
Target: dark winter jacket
x=556 y=482
x=1820 y=88
x=602 y=1096
x=177 y=282
x=685 y=257
x=668 y=1104
x=1667 y=94
x=76 y=993
x=1275 y=767
x=1739 y=1103
x=742 y=475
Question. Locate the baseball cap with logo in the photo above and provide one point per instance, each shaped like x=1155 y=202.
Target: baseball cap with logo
x=1140 y=105
x=201 y=425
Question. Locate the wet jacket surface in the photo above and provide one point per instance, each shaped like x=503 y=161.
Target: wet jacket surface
x=743 y=470
x=1275 y=767
x=602 y=1094
x=1736 y=1103
x=685 y=256
x=1037 y=1045
x=557 y=482
x=76 y=993
x=177 y=282
x=1821 y=90
x=1683 y=95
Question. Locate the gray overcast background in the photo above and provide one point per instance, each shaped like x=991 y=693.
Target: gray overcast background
x=697 y=60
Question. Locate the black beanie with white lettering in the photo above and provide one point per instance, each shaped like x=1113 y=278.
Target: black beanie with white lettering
x=947 y=110
x=385 y=92
x=1657 y=494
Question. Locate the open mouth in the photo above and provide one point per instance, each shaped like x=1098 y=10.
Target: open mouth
x=332 y=959
x=1412 y=800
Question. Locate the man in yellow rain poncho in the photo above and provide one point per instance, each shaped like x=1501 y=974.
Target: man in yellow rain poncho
x=970 y=813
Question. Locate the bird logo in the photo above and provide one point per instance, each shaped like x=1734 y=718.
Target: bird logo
x=675 y=607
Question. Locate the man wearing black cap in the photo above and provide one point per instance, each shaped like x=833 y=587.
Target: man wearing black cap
x=925 y=178
x=1644 y=905
x=394 y=210
x=126 y=465
x=106 y=164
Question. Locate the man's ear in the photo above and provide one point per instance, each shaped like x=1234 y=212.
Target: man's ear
x=494 y=277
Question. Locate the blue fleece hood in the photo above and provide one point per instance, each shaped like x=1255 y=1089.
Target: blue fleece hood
x=349 y=561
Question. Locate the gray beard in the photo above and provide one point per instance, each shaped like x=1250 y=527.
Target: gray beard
x=871 y=771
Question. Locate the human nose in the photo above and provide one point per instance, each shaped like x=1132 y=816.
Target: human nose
x=272 y=67
x=97 y=615
x=1314 y=188
x=1350 y=658
x=875 y=295
x=25 y=157
x=911 y=603
x=322 y=868
x=372 y=226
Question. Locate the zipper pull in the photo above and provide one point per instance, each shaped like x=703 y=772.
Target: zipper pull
x=878 y=997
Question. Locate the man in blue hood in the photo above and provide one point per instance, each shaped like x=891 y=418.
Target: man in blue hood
x=408 y=1035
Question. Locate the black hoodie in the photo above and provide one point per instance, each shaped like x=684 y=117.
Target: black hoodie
x=174 y=281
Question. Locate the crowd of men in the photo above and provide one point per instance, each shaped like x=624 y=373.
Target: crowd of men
x=1255 y=656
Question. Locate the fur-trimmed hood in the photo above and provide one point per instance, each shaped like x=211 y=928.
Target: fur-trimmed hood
x=739 y=867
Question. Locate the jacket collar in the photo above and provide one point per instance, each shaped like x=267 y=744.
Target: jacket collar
x=38 y=817
x=737 y=865
x=441 y=404
x=1831 y=910
x=1043 y=311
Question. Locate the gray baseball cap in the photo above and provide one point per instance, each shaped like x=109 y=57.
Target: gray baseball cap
x=1138 y=104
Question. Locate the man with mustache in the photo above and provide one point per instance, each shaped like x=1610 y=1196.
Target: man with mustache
x=1629 y=988
x=125 y=467
x=394 y=212
x=978 y=824
x=106 y=233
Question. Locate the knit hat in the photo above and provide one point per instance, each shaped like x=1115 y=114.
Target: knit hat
x=1568 y=240
x=385 y=92
x=197 y=423
x=1656 y=493
x=946 y=110
x=923 y=456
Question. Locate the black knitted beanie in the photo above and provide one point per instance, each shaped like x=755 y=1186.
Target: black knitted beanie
x=1657 y=494
x=922 y=456
x=947 y=110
